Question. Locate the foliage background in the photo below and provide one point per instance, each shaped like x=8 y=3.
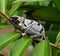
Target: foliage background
x=46 y=12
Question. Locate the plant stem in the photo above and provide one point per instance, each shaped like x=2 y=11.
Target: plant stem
x=7 y=17
x=54 y=45
x=4 y=15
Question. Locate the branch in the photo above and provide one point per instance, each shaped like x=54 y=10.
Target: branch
x=7 y=17
x=4 y=15
x=54 y=45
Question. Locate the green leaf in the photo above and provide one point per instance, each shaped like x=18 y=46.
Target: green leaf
x=45 y=3
x=58 y=53
x=6 y=38
x=42 y=49
x=20 y=46
x=2 y=5
x=55 y=52
x=2 y=25
x=51 y=35
x=19 y=12
x=57 y=4
x=58 y=37
x=48 y=14
x=14 y=7
x=3 y=8
x=9 y=3
x=31 y=0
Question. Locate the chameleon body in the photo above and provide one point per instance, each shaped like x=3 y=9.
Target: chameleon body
x=27 y=26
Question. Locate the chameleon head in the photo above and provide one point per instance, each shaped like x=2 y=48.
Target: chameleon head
x=16 y=20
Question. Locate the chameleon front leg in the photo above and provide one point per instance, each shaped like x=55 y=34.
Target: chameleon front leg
x=23 y=34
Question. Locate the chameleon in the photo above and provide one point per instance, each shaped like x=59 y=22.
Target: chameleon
x=28 y=27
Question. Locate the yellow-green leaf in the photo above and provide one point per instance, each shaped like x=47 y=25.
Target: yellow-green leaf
x=14 y=7
x=6 y=38
x=32 y=0
x=2 y=25
x=42 y=49
x=3 y=8
x=20 y=46
x=57 y=4
x=58 y=37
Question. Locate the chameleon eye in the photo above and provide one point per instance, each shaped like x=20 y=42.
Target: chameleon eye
x=17 y=22
x=38 y=24
x=14 y=18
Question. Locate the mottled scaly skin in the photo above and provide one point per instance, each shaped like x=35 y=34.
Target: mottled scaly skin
x=29 y=27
